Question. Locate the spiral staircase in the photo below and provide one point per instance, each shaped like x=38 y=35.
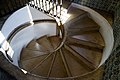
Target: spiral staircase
x=64 y=51
x=79 y=54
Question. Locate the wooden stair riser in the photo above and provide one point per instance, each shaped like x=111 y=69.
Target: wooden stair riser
x=45 y=43
x=74 y=41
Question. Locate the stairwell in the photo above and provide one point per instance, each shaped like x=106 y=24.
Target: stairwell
x=71 y=56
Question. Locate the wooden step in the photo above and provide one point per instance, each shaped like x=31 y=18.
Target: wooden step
x=43 y=68
x=30 y=63
x=58 y=69
x=85 y=21
x=83 y=43
x=79 y=31
x=55 y=41
x=81 y=59
x=76 y=66
x=45 y=43
x=75 y=14
x=27 y=54
x=92 y=56
x=52 y=63
x=41 y=62
x=75 y=11
x=33 y=45
x=65 y=63
x=94 y=37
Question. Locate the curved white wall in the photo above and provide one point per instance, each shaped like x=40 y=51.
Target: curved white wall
x=21 y=16
x=105 y=30
x=23 y=37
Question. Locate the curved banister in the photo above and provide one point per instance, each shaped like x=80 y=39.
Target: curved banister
x=64 y=33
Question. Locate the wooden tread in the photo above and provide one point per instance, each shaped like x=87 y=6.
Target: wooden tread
x=45 y=43
x=27 y=54
x=51 y=65
x=58 y=69
x=33 y=45
x=30 y=64
x=75 y=13
x=55 y=41
x=75 y=65
x=67 y=67
x=43 y=68
x=87 y=44
x=92 y=56
x=83 y=22
x=80 y=58
x=79 y=31
x=94 y=37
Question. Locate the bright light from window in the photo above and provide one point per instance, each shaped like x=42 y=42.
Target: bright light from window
x=64 y=15
x=46 y=6
x=4 y=45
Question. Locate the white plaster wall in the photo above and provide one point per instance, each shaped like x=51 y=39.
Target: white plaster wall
x=41 y=29
x=38 y=15
x=19 y=17
x=105 y=30
x=23 y=37
x=18 y=42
